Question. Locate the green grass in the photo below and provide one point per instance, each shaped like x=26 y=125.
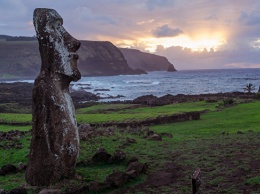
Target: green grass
x=100 y=107
x=242 y=117
x=6 y=128
x=102 y=113
x=253 y=181
x=224 y=158
x=12 y=155
x=14 y=108
x=12 y=181
x=15 y=118
x=97 y=114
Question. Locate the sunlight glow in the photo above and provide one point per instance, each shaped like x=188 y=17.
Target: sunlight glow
x=197 y=44
x=184 y=41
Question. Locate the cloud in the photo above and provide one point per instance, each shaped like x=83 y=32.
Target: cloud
x=155 y=4
x=166 y=31
x=250 y=19
x=145 y=22
x=86 y=14
x=12 y=10
x=211 y=17
x=185 y=58
x=236 y=22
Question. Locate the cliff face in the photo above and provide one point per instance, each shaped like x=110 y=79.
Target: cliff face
x=98 y=58
x=146 y=61
x=21 y=59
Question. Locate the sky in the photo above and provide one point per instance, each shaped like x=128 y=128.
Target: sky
x=197 y=34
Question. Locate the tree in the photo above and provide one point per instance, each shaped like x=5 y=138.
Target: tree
x=249 y=87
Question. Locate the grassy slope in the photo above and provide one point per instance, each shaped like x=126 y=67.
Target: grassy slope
x=112 y=112
x=99 y=113
x=243 y=117
x=195 y=144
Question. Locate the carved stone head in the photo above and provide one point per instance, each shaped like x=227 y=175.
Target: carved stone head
x=57 y=47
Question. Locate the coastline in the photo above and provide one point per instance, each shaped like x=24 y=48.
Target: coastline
x=21 y=92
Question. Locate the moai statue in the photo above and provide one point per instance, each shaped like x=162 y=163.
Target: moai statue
x=55 y=141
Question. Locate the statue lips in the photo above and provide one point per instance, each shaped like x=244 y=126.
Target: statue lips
x=76 y=75
x=73 y=45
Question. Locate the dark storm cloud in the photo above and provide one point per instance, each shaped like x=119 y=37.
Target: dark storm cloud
x=166 y=31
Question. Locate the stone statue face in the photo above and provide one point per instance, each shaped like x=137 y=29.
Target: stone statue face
x=59 y=53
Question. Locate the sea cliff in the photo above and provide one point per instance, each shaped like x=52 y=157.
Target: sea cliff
x=20 y=58
x=146 y=61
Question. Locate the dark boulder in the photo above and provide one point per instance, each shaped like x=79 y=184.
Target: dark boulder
x=96 y=186
x=136 y=168
x=116 y=179
x=8 y=169
x=118 y=156
x=155 y=137
x=19 y=190
x=21 y=166
x=101 y=156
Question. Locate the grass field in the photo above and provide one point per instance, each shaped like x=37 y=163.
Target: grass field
x=102 y=113
x=224 y=144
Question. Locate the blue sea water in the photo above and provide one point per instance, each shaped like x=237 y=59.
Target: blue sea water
x=162 y=83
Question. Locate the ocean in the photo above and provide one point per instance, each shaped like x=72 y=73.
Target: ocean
x=161 y=83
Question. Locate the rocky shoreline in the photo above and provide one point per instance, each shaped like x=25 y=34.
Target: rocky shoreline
x=21 y=93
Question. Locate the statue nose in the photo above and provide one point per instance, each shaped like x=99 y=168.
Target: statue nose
x=73 y=45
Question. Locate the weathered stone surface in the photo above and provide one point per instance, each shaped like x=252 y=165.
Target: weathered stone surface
x=55 y=140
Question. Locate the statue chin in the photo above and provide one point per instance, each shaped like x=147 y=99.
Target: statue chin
x=76 y=75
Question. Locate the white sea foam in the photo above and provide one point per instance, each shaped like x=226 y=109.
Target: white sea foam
x=162 y=83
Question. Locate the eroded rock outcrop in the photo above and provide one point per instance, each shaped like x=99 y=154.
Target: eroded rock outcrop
x=20 y=59
x=55 y=140
x=101 y=58
x=146 y=61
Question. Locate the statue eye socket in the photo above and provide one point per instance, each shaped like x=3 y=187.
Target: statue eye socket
x=59 y=24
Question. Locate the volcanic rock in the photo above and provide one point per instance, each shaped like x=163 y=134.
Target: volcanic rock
x=116 y=179
x=8 y=169
x=55 y=141
x=101 y=156
x=118 y=156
